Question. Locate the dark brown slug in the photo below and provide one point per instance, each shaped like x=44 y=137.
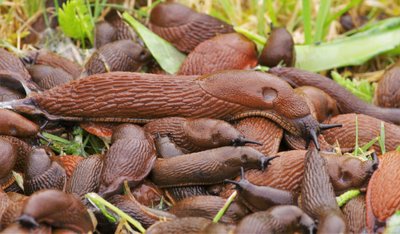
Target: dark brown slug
x=193 y=135
x=279 y=49
x=48 y=77
x=189 y=225
x=387 y=94
x=23 y=152
x=12 y=63
x=124 y=55
x=183 y=27
x=8 y=158
x=13 y=205
x=208 y=207
x=279 y=219
x=317 y=195
x=368 y=129
x=57 y=209
x=355 y=214
x=346 y=101
x=206 y=167
x=13 y=124
x=136 y=97
x=223 y=52
x=42 y=173
x=130 y=157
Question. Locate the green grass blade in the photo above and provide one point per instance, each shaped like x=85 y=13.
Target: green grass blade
x=369 y=144
x=259 y=40
x=347 y=196
x=261 y=22
x=307 y=21
x=351 y=4
x=169 y=58
x=271 y=12
x=323 y=13
x=222 y=211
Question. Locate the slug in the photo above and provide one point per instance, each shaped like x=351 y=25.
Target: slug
x=13 y=124
x=387 y=94
x=23 y=152
x=48 y=77
x=278 y=219
x=346 y=101
x=206 y=167
x=368 y=129
x=222 y=52
x=57 y=209
x=355 y=214
x=261 y=130
x=193 y=135
x=279 y=49
x=12 y=204
x=130 y=157
x=383 y=194
x=8 y=158
x=104 y=33
x=147 y=193
x=9 y=62
x=166 y=148
x=124 y=55
x=42 y=173
x=208 y=207
x=297 y=143
x=136 y=97
x=183 y=27
x=86 y=176
x=317 y=196
x=68 y=162
x=191 y=225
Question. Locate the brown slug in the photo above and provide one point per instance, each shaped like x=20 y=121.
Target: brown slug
x=124 y=55
x=104 y=33
x=297 y=143
x=346 y=101
x=43 y=173
x=355 y=214
x=86 y=176
x=57 y=209
x=223 y=52
x=368 y=129
x=11 y=63
x=193 y=135
x=136 y=97
x=8 y=158
x=317 y=195
x=166 y=148
x=261 y=130
x=130 y=157
x=23 y=152
x=11 y=208
x=190 y=225
x=387 y=94
x=208 y=207
x=206 y=167
x=68 y=162
x=183 y=27
x=383 y=191
x=48 y=77
x=279 y=49
x=13 y=124
x=147 y=193
x=278 y=219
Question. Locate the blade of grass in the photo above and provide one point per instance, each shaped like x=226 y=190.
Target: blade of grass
x=382 y=138
x=169 y=58
x=259 y=40
x=351 y=4
x=261 y=22
x=362 y=89
x=271 y=12
x=323 y=13
x=222 y=211
x=229 y=9
x=347 y=196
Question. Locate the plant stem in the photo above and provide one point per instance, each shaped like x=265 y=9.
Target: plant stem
x=347 y=196
x=271 y=12
x=307 y=21
x=222 y=211
x=259 y=40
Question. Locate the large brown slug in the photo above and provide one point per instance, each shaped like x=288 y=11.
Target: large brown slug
x=317 y=195
x=8 y=158
x=189 y=225
x=42 y=173
x=279 y=49
x=279 y=219
x=193 y=135
x=57 y=209
x=355 y=214
x=131 y=157
x=368 y=129
x=13 y=124
x=183 y=27
x=136 y=97
x=346 y=101
x=124 y=55
x=11 y=63
x=223 y=52
x=206 y=167
x=387 y=94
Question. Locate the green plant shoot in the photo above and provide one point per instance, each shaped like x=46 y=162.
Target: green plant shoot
x=222 y=211
x=347 y=196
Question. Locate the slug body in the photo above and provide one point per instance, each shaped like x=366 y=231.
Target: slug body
x=317 y=195
x=223 y=52
x=346 y=101
x=206 y=167
x=183 y=27
x=8 y=158
x=387 y=94
x=11 y=63
x=131 y=157
x=181 y=225
x=68 y=162
x=48 y=77
x=13 y=124
x=57 y=209
x=355 y=213
x=23 y=152
x=139 y=97
x=278 y=49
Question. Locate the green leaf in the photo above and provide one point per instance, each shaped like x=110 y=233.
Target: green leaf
x=169 y=58
x=362 y=89
x=307 y=21
x=323 y=13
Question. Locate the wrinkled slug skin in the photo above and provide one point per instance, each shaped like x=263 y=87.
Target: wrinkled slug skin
x=355 y=214
x=368 y=128
x=346 y=101
x=183 y=27
x=48 y=77
x=189 y=225
x=23 y=151
x=131 y=157
x=223 y=52
x=10 y=62
x=383 y=194
x=298 y=143
x=387 y=93
x=261 y=130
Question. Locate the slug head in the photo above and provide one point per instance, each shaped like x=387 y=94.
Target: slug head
x=211 y=133
x=279 y=48
x=104 y=33
x=246 y=157
x=243 y=183
x=38 y=163
x=135 y=51
x=170 y=15
x=289 y=215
